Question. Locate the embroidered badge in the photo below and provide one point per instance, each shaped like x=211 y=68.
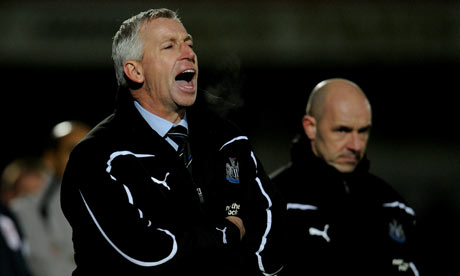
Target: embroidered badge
x=322 y=233
x=232 y=169
x=396 y=231
x=161 y=182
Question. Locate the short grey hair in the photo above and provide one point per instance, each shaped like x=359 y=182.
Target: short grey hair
x=128 y=45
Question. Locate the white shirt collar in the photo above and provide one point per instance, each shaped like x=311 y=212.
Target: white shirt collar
x=160 y=125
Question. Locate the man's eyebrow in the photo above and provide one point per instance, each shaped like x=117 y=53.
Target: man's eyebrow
x=173 y=39
x=188 y=38
x=342 y=127
x=366 y=128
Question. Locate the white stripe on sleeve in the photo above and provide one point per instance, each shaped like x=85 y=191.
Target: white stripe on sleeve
x=299 y=206
x=137 y=262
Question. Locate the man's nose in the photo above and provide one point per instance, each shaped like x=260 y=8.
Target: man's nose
x=355 y=143
x=187 y=53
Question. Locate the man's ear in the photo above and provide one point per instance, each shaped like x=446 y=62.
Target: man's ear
x=309 y=126
x=134 y=71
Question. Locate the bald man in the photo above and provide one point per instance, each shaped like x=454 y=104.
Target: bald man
x=341 y=219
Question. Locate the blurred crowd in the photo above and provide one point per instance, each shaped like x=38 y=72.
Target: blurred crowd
x=35 y=238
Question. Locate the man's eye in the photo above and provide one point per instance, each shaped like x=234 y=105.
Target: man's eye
x=168 y=47
x=365 y=130
x=343 y=130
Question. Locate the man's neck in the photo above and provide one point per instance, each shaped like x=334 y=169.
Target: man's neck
x=174 y=115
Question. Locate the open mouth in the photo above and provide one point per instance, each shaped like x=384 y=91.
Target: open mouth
x=185 y=80
x=186 y=76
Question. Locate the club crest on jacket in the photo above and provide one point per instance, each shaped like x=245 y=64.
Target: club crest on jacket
x=396 y=231
x=232 y=169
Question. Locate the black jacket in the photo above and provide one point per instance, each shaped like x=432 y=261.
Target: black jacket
x=342 y=224
x=135 y=210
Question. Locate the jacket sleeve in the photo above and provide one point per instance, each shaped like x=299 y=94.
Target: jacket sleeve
x=402 y=233
x=257 y=205
x=117 y=209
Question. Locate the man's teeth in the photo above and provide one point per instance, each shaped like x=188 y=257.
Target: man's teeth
x=186 y=75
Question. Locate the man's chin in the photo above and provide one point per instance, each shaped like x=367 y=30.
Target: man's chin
x=345 y=167
x=186 y=100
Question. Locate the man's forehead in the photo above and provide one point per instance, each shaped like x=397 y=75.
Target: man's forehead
x=350 y=116
x=350 y=122
x=166 y=29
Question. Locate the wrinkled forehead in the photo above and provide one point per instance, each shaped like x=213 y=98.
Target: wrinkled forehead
x=352 y=112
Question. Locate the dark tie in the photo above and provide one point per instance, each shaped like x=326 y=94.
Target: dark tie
x=179 y=135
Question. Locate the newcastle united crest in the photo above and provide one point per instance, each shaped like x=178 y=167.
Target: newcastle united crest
x=232 y=169
x=396 y=231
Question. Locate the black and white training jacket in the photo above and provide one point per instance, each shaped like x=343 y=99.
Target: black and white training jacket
x=136 y=210
x=343 y=224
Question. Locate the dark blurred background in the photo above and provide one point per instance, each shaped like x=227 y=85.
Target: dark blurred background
x=265 y=56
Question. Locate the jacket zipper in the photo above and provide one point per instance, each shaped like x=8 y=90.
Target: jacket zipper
x=347 y=188
x=200 y=195
x=197 y=188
